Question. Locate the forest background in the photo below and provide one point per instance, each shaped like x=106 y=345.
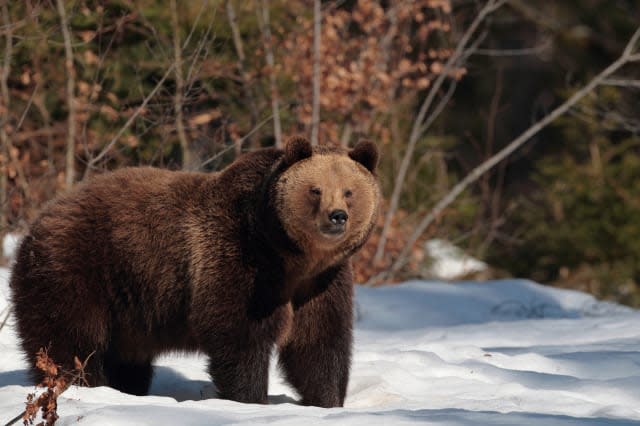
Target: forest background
x=507 y=127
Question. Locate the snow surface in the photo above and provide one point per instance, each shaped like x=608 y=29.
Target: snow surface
x=449 y=262
x=508 y=352
x=10 y=244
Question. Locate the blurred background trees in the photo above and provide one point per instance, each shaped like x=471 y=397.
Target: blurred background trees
x=190 y=85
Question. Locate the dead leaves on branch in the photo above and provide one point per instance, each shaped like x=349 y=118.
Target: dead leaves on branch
x=372 y=57
x=55 y=381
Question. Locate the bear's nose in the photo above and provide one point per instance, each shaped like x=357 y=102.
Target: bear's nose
x=338 y=217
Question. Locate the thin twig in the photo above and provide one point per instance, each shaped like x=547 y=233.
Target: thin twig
x=203 y=5
x=204 y=44
x=69 y=378
x=6 y=317
x=237 y=143
x=516 y=52
x=28 y=106
x=130 y=121
x=630 y=47
x=621 y=82
x=15 y=419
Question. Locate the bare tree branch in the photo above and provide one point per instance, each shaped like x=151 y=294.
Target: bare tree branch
x=629 y=50
x=621 y=82
x=203 y=5
x=237 y=143
x=544 y=46
x=315 y=112
x=15 y=420
x=28 y=106
x=610 y=120
x=421 y=124
x=71 y=84
x=6 y=317
x=263 y=20
x=492 y=198
x=201 y=52
x=626 y=57
x=93 y=161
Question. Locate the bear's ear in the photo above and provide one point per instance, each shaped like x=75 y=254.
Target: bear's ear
x=295 y=149
x=366 y=153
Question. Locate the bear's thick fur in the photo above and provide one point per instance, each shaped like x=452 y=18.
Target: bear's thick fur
x=141 y=261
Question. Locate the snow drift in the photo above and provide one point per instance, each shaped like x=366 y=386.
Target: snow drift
x=500 y=352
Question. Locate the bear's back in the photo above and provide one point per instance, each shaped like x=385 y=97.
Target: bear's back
x=112 y=217
x=107 y=244
x=131 y=241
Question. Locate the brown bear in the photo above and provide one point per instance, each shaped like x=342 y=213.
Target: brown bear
x=141 y=261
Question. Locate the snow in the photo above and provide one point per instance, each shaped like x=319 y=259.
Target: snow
x=449 y=262
x=10 y=244
x=509 y=352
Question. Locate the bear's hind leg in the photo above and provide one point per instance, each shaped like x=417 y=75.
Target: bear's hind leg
x=92 y=373
x=62 y=345
x=133 y=378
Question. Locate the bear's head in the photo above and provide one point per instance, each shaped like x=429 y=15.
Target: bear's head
x=327 y=198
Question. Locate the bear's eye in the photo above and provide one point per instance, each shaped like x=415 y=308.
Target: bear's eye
x=315 y=191
x=348 y=193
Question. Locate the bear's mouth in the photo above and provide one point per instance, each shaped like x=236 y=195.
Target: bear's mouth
x=332 y=230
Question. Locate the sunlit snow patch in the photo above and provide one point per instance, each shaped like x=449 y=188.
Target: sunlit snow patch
x=449 y=262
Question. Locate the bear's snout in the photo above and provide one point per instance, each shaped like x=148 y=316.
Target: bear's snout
x=338 y=217
x=335 y=223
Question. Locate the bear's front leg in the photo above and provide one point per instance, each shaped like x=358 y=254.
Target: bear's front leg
x=241 y=373
x=317 y=356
